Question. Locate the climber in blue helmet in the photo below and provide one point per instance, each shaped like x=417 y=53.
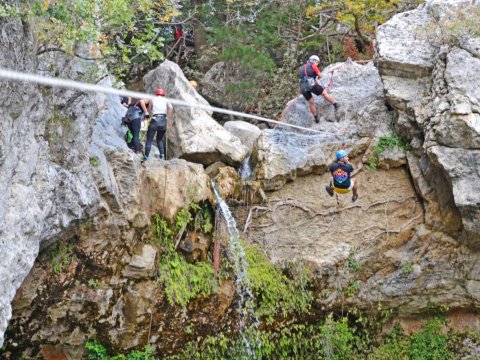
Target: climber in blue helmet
x=341 y=181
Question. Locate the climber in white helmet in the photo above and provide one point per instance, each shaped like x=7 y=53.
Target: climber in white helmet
x=309 y=73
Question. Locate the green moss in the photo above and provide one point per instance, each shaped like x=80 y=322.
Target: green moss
x=95 y=161
x=330 y=340
x=275 y=293
x=96 y=351
x=183 y=281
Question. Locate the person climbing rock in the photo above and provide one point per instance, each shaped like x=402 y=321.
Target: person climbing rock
x=309 y=73
x=161 y=110
x=341 y=181
x=133 y=119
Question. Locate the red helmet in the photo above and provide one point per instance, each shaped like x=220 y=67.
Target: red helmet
x=160 y=92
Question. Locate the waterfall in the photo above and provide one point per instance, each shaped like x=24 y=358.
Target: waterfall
x=236 y=254
x=245 y=170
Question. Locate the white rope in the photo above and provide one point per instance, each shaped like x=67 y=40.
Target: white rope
x=64 y=83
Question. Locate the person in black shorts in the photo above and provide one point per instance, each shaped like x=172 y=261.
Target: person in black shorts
x=309 y=73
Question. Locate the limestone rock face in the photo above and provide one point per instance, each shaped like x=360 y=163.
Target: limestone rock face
x=280 y=155
x=193 y=135
x=359 y=91
x=433 y=86
x=45 y=177
x=245 y=131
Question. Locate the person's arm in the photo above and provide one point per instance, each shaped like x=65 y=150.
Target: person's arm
x=169 y=111
x=317 y=71
x=145 y=105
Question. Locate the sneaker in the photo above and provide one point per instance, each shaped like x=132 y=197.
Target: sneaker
x=145 y=158
x=317 y=120
x=329 y=190
x=336 y=106
x=162 y=157
x=354 y=197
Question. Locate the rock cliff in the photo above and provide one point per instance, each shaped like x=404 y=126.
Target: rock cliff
x=69 y=182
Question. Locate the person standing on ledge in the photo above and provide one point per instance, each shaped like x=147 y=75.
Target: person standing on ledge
x=160 y=109
x=309 y=73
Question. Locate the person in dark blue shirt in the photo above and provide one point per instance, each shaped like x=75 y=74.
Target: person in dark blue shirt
x=341 y=180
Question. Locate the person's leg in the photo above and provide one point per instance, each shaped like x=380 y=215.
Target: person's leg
x=330 y=99
x=355 y=189
x=313 y=109
x=136 y=125
x=161 y=131
x=329 y=188
x=152 y=129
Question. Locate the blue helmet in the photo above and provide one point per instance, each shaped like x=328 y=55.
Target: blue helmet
x=341 y=153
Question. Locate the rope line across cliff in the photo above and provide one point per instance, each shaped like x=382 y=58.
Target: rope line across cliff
x=71 y=84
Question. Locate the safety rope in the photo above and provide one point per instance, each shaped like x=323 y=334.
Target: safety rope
x=71 y=84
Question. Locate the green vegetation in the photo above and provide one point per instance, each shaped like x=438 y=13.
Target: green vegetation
x=183 y=281
x=95 y=161
x=275 y=293
x=333 y=339
x=97 y=351
x=61 y=256
x=352 y=264
x=386 y=143
x=94 y=283
x=119 y=33
x=407 y=267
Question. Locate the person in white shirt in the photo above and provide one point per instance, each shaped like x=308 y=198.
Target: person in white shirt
x=160 y=109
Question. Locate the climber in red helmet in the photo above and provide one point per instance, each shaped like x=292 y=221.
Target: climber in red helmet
x=161 y=110
x=309 y=73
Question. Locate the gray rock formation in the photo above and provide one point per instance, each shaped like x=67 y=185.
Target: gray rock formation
x=432 y=82
x=280 y=156
x=194 y=135
x=245 y=131
x=46 y=182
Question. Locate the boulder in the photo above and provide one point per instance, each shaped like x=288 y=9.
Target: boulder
x=193 y=134
x=460 y=166
x=359 y=91
x=246 y=132
x=142 y=265
x=279 y=156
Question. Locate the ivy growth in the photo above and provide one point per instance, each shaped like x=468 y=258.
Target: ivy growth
x=386 y=143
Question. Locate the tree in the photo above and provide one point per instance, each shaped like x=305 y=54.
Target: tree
x=361 y=16
x=120 y=33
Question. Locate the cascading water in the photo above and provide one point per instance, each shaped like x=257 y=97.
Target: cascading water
x=236 y=254
x=245 y=170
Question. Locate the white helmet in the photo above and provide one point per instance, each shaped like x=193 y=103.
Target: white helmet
x=314 y=58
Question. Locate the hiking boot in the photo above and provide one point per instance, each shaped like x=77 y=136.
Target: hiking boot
x=329 y=190
x=162 y=157
x=317 y=120
x=145 y=158
x=336 y=106
x=354 y=197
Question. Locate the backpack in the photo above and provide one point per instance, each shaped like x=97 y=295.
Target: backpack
x=134 y=112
